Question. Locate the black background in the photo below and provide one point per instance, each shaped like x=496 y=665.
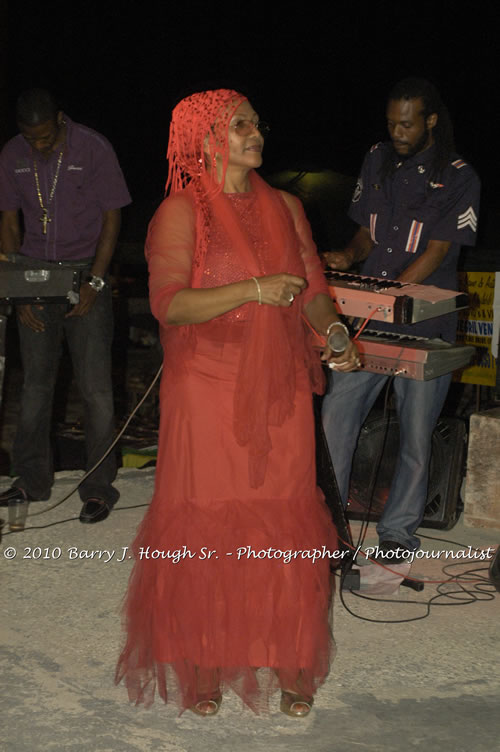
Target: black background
x=319 y=74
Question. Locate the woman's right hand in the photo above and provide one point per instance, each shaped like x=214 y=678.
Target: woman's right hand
x=197 y=306
x=280 y=289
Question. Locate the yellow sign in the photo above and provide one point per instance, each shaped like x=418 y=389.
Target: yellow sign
x=475 y=327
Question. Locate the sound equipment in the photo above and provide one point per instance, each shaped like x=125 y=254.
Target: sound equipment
x=417 y=358
x=36 y=281
x=447 y=468
x=389 y=300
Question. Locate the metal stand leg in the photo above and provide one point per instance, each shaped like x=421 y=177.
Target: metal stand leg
x=327 y=481
x=3 y=326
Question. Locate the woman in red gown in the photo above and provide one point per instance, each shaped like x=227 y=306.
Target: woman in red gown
x=231 y=584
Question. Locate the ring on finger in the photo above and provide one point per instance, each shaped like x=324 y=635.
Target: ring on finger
x=291 y=297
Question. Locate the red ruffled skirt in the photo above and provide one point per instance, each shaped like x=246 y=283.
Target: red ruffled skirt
x=231 y=585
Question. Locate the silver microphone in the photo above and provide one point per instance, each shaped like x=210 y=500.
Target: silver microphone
x=337 y=341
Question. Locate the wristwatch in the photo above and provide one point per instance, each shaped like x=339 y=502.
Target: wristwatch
x=96 y=283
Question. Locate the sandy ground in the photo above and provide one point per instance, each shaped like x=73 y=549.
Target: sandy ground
x=428 y=684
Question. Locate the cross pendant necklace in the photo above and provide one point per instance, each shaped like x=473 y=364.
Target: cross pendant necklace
x=45 y=219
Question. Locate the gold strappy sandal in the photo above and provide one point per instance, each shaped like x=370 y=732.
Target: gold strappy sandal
x=295 y=705
x=207 y=708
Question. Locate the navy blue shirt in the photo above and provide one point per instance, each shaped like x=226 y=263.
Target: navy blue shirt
x=405 y=210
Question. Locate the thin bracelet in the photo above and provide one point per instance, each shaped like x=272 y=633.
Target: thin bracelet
x=259 y=291
x=337 y=323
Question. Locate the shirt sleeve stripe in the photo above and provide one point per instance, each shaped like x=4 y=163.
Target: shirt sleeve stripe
x=414 y=236
x=373 y=224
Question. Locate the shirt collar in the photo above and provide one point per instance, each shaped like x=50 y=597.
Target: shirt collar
x=422 y=158
x=69 y=129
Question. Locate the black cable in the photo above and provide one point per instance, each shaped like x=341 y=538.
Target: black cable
x=103 y=457
x=459 y=597
x=68 y=519
x=355 y=551
x=482 y=591
x=472 y=596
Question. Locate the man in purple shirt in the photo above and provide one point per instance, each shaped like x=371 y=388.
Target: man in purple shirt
x=67 y=182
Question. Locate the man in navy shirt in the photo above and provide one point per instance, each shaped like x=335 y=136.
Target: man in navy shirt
x=67 y=182
x=416 y=202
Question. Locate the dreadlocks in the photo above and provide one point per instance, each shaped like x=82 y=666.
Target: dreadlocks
x=419 y=88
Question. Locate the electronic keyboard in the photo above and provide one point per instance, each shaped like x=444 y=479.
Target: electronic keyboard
x=389 y=300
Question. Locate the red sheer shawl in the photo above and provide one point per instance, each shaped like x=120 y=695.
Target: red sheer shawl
x=273 y=339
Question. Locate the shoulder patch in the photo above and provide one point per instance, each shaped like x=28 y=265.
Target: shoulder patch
x=357 y=191
x=459 y=163
x=375 y=146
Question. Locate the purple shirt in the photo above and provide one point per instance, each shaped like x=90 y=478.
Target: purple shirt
x=90 y=181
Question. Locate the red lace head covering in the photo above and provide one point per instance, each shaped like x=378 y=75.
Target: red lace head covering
x=198 y=135
x=199 y=125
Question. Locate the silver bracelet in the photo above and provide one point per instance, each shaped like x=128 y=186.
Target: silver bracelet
x=259 y=291
x=337 y=323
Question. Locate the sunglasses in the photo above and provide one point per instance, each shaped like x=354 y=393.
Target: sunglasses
x=245 y=127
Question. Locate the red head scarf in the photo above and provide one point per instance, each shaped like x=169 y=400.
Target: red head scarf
x=199 y=125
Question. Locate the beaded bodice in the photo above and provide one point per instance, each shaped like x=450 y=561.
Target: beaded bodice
x=222 y=265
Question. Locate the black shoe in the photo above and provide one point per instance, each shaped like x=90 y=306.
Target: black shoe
x=14 y=494
x=94 y=510
x=392 y=552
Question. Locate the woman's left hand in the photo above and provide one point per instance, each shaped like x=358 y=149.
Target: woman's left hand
x=346 y=361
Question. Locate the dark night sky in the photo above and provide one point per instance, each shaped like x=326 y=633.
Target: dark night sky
x=320 y=80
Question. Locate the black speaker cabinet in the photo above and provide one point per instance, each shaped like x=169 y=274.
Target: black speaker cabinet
x=447 y=467
x=494 y=571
